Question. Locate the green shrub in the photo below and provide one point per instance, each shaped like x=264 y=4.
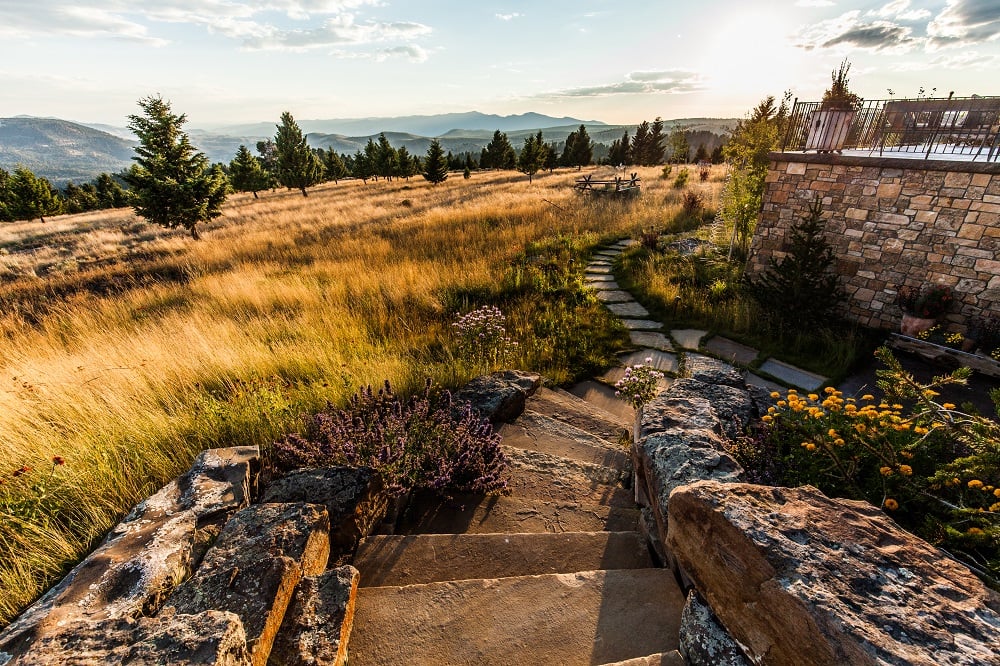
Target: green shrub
x=682 y=178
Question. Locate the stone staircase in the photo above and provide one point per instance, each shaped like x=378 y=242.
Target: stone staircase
x=555 y=573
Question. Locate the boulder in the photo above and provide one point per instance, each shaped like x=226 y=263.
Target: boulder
x=705 y=642
x=499 y=397
x=318 y=623
x=212 y=638
x=145 y=556
x=254 y=566
x=712 y=371
x=733 y=408
x=798 y=578
x=354 y=497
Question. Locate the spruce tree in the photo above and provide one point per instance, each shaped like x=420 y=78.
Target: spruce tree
x=583 y=149
x=246 y=173
x=640 y=144
x=618 y=155
x=801 y=286
x=404 y=163
x=334 y=166
x=435 y=164
x=532 y=155
x=4 y=195
x=29 y=196
x=109 y=193
x=172 y=184
x=499 y=153
x=387 y=159
x=654 y=145
x=297 y=167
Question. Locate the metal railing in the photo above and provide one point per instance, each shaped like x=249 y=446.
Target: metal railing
x=957 y=126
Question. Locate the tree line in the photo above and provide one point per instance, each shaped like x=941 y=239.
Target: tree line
x=25 y=196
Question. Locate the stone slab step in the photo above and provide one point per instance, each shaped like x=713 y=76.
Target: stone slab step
x=614 y=296
x=576 y=411
x=672 y=658
x=583 y=618
x=536 y=432
x=528 y=481
x=428 y=558
x=630 y=309
x=790 y=374
x=603 y=397
x=469 y=514
x=688 y=338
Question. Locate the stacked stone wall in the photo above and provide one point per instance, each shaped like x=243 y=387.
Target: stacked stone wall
x=892 y=222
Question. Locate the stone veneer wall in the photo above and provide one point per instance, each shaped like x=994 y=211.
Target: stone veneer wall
x=892 y=222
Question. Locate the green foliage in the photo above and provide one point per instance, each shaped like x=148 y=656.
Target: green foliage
x=647 y=145
x=435 y=164
x=386 y=158
x=801 y=287
x=296 y=166
x=247 y=174
x=933 y=467
x=110 y=194
x=620 y=153
x=532 y=156
x=26 y=196
x=498 y=153
x=171 y=181
x=682 y=178
x=680 y=149
x=839 y=95
x=406 y=165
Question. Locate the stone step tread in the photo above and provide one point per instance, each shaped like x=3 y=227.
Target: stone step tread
x=584 y=618
x=386 y=560
x=567 y=407
x=536 y=432
x=528 y=482
x=483 y=515
x=603 y=397
x=672 y=658
x=554 y=468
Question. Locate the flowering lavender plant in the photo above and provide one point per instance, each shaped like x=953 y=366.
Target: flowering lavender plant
x=426 y=441
x=638 y=386
x=483 y=337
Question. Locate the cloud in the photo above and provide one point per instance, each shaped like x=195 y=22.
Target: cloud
x=509 y=17
x=26 y=18
x=962 y=61
x=661 y=82
x=411 y=51
x=964 y=22
x=850 y=29
x=338 y=31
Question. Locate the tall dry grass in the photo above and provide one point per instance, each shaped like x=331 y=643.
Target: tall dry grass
x=128 y=348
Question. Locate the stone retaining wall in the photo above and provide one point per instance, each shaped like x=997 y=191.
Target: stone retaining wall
x=786 y=575
x=892 y=222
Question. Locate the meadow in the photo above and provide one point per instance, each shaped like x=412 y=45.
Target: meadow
x=128 y=348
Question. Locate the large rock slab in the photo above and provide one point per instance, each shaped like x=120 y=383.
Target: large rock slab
x=145 y=556
x=568 y=408
x=319 y=621
x=798 y=578
x=254 y=566
x=354 y=498
x=499 y=397
x=705 y=642
x=212 y=638
x=789 y=374
x=712 y=371
x=723 y=409
x=536 y=432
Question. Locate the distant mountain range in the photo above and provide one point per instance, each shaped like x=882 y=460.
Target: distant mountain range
x=64 y=151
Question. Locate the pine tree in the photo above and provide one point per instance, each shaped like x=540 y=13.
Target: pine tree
x=435 y=164
x=110 y=194
x=172 y=184
x=386 y=158
x=654 y=145
x=296 y=166
x=499 y=153
x=404 y=163
x=4 y=196
x=801 y=286
x=680 y=149
x=333 y=165
x=640 y=144
x=532 y=155
x=583 y=149
x=29 y=196
x=566 y=159
x=619 y=153
x=246 y=173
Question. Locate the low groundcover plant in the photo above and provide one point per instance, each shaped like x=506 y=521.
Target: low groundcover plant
x=638 y=386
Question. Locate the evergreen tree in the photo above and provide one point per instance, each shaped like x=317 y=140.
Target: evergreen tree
x=484 y=159
x=701 y=155
x=404 y=163
x=654 y=150
x=583 y=149
x=171 y=181
x=801 y=286
x=386 y=158
x=435 y=164
x=551 y=160
x=29 y=196
x=371 y=158
x=499 y=153
x=640 y=144
x=532 y=155
x=80 y=199
x=619 y=153
x=4 y=195
x=246 y=173
x=110 y=193
x=362 y=167
x=566 y=159
x=268 y=157
x=333 y=165
x=680 y=149
x=296 y=165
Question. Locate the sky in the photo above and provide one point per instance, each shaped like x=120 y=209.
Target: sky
x=236 y=61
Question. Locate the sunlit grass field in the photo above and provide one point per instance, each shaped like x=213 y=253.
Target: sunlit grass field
x=128 y=348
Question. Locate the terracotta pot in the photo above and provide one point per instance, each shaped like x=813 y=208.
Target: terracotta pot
x=911 y=325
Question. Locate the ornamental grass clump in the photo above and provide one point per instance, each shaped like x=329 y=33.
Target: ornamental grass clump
x=638 y=386
x=933 y=467
x=425 y=441
x=482 y=337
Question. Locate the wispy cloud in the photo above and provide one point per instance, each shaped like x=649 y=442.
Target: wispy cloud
x=851 y=29
x=509 y=17
x=964 y=22
x=635 y=83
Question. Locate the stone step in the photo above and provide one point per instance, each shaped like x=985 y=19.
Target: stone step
x=556 y=468
x=672 y=658
x=535 y=432
x=591 y=617
x=531 y=481
x=603 y=397
x=475 y=514
x=428 y=558
x=576 y=411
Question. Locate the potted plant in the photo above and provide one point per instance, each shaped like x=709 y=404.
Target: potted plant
x=922 y=307
x=829 y=126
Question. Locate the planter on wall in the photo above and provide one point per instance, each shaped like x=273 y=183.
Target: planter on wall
x=911 y=325
x=828 y=129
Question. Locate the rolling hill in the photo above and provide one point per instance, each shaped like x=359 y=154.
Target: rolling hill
x=60 y=150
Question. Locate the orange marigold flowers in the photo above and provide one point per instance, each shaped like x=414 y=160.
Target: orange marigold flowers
x=782 y=403
x=838 y=442
x=995 y=507
x=814 y=397
x=860 y=427
x=974 y=531
x=885 y=470
x=996 y=493
x=810 y=447
x=828 y=390
x=831 y=432
x=891 y=504
x=948 y=405
x=775 y=394
x=867 y=396
x=975 y=483
x=905 y=470
x=767 y=418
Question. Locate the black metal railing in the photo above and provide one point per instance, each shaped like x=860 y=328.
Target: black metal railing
x=966 y=126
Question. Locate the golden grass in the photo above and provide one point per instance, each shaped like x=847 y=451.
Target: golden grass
x=128 y=348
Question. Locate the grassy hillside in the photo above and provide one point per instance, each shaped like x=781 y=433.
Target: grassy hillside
x=61 y=150
x=128 y=348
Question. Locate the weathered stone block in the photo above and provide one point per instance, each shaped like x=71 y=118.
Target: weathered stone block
x=254 y=566
x=499 y=397
x=354 y=498
x=318 y=623
x=798 y=578
x=703 y=640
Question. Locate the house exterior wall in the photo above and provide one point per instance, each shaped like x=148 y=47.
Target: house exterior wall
x=892 y=222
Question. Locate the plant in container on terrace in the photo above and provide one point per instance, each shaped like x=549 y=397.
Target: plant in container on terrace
x=922 y=307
